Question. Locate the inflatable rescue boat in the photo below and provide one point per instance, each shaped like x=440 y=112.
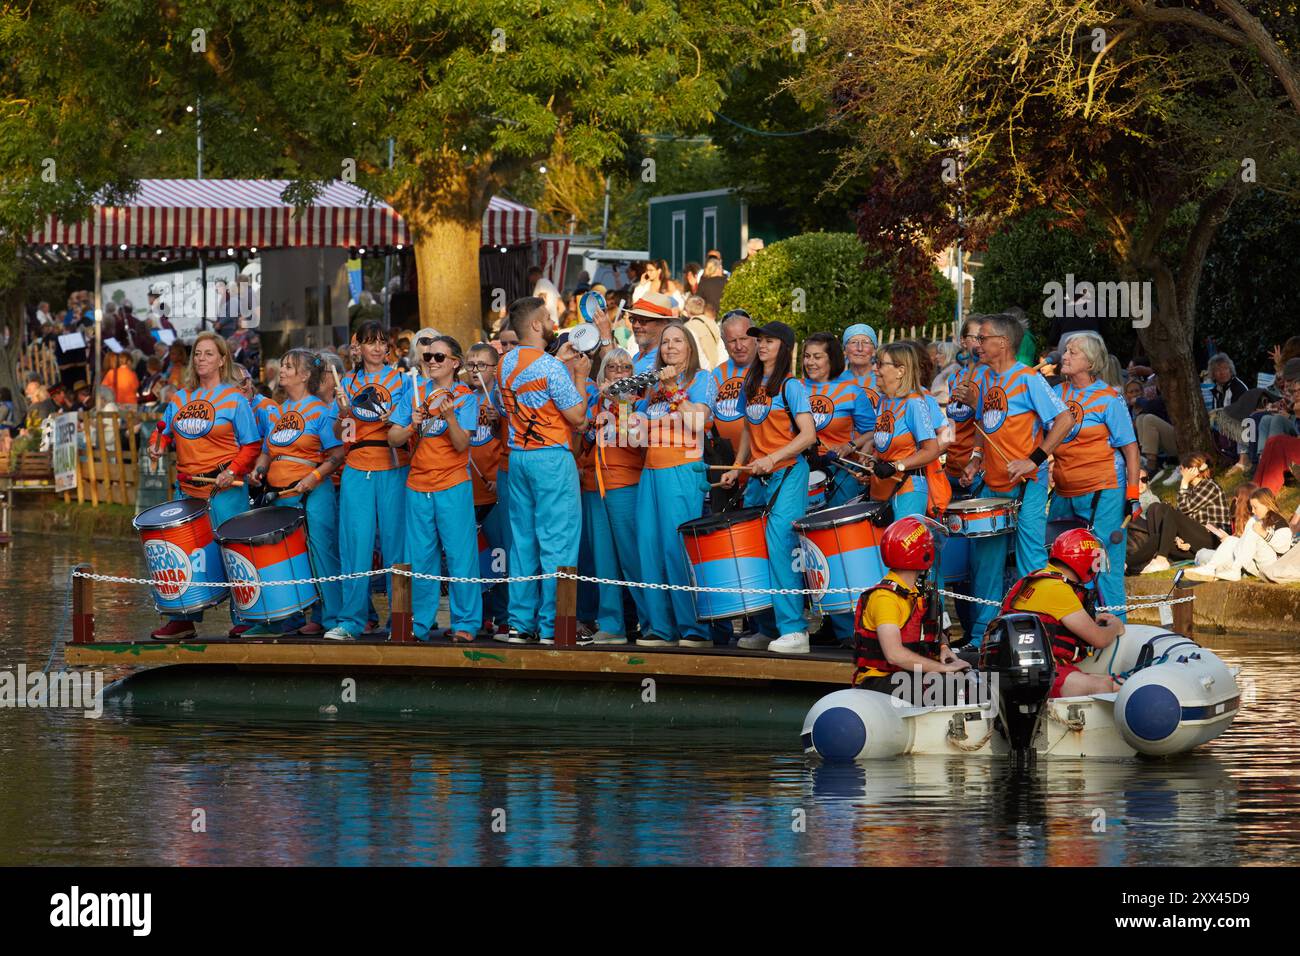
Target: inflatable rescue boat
x=1175 y=695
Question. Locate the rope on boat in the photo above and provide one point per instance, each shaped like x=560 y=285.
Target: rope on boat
x=970 y=748
x=651 y=585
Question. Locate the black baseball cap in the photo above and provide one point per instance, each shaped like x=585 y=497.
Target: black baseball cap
x=775 y=330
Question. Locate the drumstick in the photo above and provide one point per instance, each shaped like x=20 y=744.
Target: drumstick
x=207 y=481
x=731 y=467
x=415 y=391
x=994 y=445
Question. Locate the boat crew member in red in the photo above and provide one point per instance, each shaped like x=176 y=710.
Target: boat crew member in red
x=300 y=454
x=542 y=401
x=374 y=479
x=439 y=496
x=1057 y=595
x=1092 y=465
x=1021 y=420
x=778 y=430
x=893 y=634
x=216 y=443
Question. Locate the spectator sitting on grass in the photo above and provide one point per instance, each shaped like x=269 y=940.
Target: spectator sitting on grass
x=1265 y=536
x=1177 y=533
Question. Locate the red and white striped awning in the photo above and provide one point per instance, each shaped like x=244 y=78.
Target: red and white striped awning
x=188 y=214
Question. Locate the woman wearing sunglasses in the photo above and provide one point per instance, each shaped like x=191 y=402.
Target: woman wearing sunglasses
x=440 y=416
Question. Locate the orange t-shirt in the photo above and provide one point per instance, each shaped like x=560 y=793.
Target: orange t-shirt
x=671 y=440
x=728 y=403
x=771 y=421
x=963 y=420
x=1088 y=458
x=302 y=429
x=1014 y=405
x=436 y=465
x=386 y=390
x=124 y=383
x=208 y=425
x=485 y=454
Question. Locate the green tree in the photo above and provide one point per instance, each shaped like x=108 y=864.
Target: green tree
x=816 y=283
x=1150 y=119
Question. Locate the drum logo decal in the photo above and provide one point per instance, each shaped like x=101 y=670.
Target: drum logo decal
x=816 y=569
x=726 y=407
x=195 y=418
x=288 y=429
x=995 y=408
x=241 y=573
x=372 y=402
x=758 y=408
x=1076 y=413
x=169 y=567
x=884 y=436
x=171 y=512
x=823 y=410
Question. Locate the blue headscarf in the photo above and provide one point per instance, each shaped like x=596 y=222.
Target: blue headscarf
x=860 y=329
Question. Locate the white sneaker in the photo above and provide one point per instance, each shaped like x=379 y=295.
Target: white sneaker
x=605 y=637
x=1156 y=565
x=339 y=633
x=1201 y=573
x=695 y=642
x=790 y=643
x=1175 y=476
x=754 y=642
x=1227 y=574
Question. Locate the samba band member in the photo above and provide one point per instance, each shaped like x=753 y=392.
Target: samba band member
x=374 y=481
x=1057 y=595
x=619 y=462
x=262 y=406
x=778 y=429
x=488 y=475
x=903 y=441
x=671 y=424
x=729 y=377
x=1021 y=421
x=840 y=408
x=440 y=415
x=963 y=392
x=1092 y=465
x=300 y=455
x=894 y=631
x=216 y=443
x=542 y=402
x=860 y=344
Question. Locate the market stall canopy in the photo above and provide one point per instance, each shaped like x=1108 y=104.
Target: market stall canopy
x=171 y=216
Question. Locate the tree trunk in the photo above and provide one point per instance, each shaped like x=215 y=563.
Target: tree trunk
x=443 y=207
x=446 y=265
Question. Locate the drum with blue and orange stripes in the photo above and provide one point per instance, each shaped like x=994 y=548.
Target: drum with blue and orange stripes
x=1088 y=458
x=208 y=426
x=1016 y=408
x=902 y=424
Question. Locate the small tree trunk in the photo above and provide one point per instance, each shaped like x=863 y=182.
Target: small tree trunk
x=1168 y=344
x=446 y=265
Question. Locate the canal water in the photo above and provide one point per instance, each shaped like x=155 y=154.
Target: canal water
x=244 y=790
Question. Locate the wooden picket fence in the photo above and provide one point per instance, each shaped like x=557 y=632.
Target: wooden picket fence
x=930 y=332
x=41 y=359
x=108 y=466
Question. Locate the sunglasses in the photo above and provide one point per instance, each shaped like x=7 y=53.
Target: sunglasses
x=440 y=357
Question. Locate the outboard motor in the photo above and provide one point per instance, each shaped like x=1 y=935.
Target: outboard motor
x=1017 y=651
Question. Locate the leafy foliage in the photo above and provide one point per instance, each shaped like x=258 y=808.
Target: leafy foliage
x=837 y=290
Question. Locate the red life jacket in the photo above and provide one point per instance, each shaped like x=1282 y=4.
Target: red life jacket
x=867 y=652
x=1066 y=647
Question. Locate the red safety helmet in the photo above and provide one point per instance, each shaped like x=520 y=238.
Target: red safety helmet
x=908 y=545
x=1080 y=551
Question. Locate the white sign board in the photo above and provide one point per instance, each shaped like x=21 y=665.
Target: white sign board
x=65 y=452
x=71 y=341
x=183 y=295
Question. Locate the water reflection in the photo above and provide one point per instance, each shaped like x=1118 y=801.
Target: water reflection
x=130 y=789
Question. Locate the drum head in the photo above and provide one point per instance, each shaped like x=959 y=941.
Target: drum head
x=261 y=525
x=979 y=504
x=840 y=515
x=170 y=514
x=816 y=478
x=717 y=522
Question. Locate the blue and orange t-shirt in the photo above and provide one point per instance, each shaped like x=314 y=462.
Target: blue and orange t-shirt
x=299 y=429
x=840 y=410
x=533 y=390
x=728 y=400
x=1088 y=458
x=870 y=404
x=436 y=465
x=208 y=426
x=485 y=452
x=903 y=423
x=1014 y=405
x=963 y=419
x=672 y=441
x=383 y=391
x=619 y=457
x=771 y=418
x=263 y=410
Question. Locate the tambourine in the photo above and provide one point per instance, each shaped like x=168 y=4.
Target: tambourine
x=440 y=396
x=585 y=338
x=589 y=303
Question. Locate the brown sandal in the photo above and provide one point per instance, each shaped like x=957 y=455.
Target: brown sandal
x=461 y=637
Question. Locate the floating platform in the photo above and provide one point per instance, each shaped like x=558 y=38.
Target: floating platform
x=724 y=686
